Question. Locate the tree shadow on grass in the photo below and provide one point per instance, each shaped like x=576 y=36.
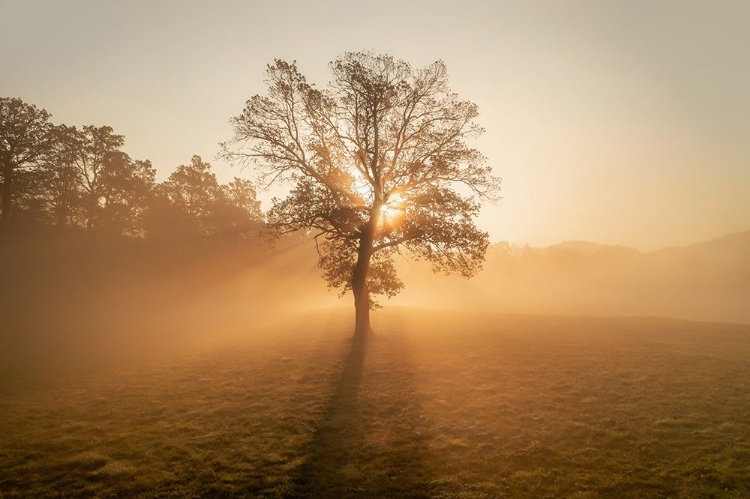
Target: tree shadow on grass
x=369 y=443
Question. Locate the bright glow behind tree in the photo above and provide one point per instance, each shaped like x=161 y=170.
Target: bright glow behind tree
x=373 y=162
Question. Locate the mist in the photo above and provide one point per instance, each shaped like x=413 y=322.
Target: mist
x=707 y=281
x=71 y=299
x=75 y=299
x=128 y=364
x=220 y=224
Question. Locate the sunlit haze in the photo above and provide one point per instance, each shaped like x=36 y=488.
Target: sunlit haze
x=614 y=122
x=391 y=249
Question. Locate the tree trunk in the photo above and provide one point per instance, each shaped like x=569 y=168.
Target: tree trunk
x=359 y=277
x=361 y=292
x=7 y=192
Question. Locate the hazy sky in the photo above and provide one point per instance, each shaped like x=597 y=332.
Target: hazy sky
x=615 y=122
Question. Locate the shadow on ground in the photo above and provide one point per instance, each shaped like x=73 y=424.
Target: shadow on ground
x=371 y=441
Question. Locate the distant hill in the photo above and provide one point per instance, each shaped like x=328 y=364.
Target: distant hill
x=704 y=281
x=588 y=248
x=727 y=254
x=735 y=240
x=733 y=244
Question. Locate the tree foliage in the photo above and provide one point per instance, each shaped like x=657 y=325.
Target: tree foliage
x=126 y=192
x=377 y=162
x=192 y=202
x=24 y=140
x=60 y=177
x=81 y=178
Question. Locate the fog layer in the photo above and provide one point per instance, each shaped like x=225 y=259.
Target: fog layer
x=70 y=297
x=709 y=281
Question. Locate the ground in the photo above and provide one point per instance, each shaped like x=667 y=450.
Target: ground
x=438 y=404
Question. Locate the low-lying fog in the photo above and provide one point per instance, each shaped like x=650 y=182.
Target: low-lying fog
x=709 y=281
x=80 y=297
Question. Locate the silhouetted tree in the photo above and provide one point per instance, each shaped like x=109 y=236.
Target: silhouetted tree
x=88 y=181
x=126 y=188
x=191 y=201
x=237 y=214
x=241 y=194
x=193 y=188
x=165 y=220
x=24 y=140
x=92 y=148
x=30 y=206
x=375 y=163
x=61 y=177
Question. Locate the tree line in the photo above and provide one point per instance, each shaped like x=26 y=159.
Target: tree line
x=379 y=163
x=70 y=177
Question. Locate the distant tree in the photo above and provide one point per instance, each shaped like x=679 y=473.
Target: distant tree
x=29 y=203
x=93 y=148
x=127 y=187
x=377 y=161
x=241 y=194
x=193 y=188
x=24 y=140
x=237 y=215
x=194 y=202
x=165 y=220
x=61 y=177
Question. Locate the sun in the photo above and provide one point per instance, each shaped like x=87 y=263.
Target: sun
x=392 y=211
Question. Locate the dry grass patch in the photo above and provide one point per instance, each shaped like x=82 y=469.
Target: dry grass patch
x=437 y=405
x=557 y=406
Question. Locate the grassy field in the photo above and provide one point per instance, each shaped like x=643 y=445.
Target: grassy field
x=437 y=405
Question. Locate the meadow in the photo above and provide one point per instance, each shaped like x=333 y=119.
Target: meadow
x=437 y=404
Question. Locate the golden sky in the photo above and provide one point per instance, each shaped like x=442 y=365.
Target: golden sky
x=613 y=122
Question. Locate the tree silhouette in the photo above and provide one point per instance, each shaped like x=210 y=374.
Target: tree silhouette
x=193 y=187
x=24 y=140
x=61 y=177
x=241 y=193
x=191 y=202
x=376 y=162
x=126 y=191
x=93 y=147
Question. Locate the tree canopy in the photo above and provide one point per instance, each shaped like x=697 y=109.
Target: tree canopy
x=191 y=200
x=81 y=178
x=24 y=140
x=377 y=162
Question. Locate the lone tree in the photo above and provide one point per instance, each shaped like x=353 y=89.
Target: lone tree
x=377 y=162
